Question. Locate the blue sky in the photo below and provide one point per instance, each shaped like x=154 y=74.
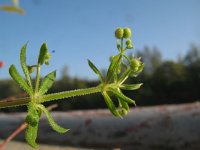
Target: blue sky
x=82 y=29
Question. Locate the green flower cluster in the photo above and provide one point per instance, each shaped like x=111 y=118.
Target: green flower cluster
x=124 y=33
x=121 y=67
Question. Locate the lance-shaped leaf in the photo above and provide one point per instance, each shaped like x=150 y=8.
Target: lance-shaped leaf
x=33 y=115
x=47 y=82
x=53 y=124
x=94 y=68
x=32 y=121
x=31 y=135
x=130 y=86
x=24 y=65
x=123 y=104
x=121 y=96
x=113 y=66
x=42 y=55
x=124 y=76
x=18 y=79
x=110 y=105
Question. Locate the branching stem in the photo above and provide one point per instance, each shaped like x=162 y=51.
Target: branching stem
x=71 y=93
x=49 y=97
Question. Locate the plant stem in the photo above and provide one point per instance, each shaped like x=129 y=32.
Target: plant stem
x=37 y=78
x=49 y=97
x=14 y=102
x=72 y=93
x=122 y=45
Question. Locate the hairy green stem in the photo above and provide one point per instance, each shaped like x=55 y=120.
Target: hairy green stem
x=72 y=93
x=14 y=102
x=49 y=97
x=37 y=82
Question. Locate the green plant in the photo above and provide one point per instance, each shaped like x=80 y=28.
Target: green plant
x=121 y=67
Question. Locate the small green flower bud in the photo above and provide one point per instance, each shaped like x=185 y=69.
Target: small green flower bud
x=48 y=56
x=127 y=33
x=30 y=69
x=128 y=42
x=130 y=46
x=123 y=111
x=46 y=62
x=135 y=64
x=119 y=33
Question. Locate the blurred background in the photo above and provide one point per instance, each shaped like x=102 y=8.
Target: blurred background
x=166 y=34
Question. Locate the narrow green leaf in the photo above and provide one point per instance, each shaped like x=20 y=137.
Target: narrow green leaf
x=53 y=124
x=113 y=66
x=24 y=65
x=120 y=95
x=31 y=135
x=18 y=79
x=94 y=68
x=123 y=107
x=15 y=9
x=110 y=105
x=115 y=77
x=33 y=115
x=124 y=76
x=32 y=120
x=47 y=82
x=130 y=86
x=42 y=55
x=123 y=104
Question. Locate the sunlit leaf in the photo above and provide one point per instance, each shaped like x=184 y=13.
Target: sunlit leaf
x=123 y=104
x=42 y=54
x=31 y=135
x=18 y=79
x=33 y=115
x=32 y=120
x=47 y=82
x=24 y=65
x=121 y=96
x=94 y=68
x=110 y=105
x=53 y=124
x=124 y=76
x=130 y=86
x=113 y=66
